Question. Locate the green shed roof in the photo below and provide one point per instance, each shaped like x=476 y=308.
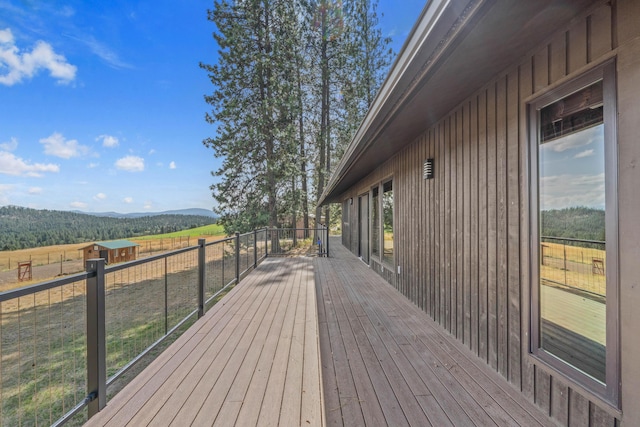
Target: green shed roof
x=116 y=244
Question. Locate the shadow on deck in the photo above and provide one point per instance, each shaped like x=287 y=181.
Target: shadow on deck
x=317 y=341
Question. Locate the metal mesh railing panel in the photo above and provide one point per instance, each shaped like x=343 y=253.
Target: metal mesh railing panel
x=42 y=355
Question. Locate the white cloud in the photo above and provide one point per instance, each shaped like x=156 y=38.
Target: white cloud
x=100 y=196
x=148 y=204
x=12 y=165
x=172 y=165
x=101 y=50
x=152 y=152
x=108 y=141
x=576 y=140
x=18 y=66
x=35 y=190
x=128 y=200
x=563 y=191
x=57 y=145
x=585 y=153
x=11 y=145
x=78 y=205
x=93 y=165
x=130 y=163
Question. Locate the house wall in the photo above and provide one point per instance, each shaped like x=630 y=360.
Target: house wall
x=462 y=238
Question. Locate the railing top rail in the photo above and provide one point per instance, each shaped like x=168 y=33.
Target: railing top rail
x=226 y=239
x=573 y=240
x=44 y=286
x=128 y=264
x=298 y=228
x=250 y=233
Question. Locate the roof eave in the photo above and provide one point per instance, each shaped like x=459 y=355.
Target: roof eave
x=436 y=22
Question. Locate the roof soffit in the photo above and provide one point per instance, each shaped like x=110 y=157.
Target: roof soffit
x=455 y=48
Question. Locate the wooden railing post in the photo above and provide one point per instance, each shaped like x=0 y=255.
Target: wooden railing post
x=237 y=258
x=202 y=261
x=96 y=338
x=266 y=241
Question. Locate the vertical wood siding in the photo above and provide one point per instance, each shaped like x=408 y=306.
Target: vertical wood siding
x=461 y=239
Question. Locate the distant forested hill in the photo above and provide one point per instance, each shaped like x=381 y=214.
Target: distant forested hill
x=578 y=223
x=22 y=228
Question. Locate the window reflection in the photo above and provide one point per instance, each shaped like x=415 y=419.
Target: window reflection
x=375 y=223
x=572 y=231
x=387 y=212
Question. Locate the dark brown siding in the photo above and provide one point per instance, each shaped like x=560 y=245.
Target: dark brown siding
x=461 y=239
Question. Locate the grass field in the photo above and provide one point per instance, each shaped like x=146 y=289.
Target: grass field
x=148 y=245
x=206 y=230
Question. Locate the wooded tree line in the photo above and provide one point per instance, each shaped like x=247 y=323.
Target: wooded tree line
x=22 y=228
x=293 y=81
x=575 y=223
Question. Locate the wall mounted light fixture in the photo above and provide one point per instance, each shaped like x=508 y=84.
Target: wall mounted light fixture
x=427 y=169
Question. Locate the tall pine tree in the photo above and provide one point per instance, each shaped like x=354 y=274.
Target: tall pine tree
x=252 y=107
x=352 y=57
x=291 y=86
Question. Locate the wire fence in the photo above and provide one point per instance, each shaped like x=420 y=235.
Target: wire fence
x=68 y=258
x=573 y=263
x=43 y=349
x=63 y=342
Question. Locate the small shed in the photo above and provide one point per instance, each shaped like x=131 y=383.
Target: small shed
x=113 y=251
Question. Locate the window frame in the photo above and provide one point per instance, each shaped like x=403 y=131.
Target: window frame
x=385 y=261
x=610 y=390
x=364 y=196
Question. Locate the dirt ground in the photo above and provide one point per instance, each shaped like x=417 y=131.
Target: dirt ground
x=9 y=278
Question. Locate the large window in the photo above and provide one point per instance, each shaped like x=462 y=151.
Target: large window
x=387 y=227
x=574 y=232
x=375 y=222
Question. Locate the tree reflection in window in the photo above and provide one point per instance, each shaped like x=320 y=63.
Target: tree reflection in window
x=387 y=212
x=375 y=223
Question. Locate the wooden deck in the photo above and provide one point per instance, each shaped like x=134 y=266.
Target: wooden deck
x=254 y=359
x=385 y=362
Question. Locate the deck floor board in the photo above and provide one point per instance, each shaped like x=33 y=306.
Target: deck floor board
x=426 y=373
x=314 y=342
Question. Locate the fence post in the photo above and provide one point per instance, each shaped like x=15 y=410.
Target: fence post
x=266 y=241
x=295 y=235
x=96 y=338
x=255 y=248
x=202 y=261
x=237 y=258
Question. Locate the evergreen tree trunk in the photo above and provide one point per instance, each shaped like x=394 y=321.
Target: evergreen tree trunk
x=327 y=85
x=324 y=114
x=303 y=158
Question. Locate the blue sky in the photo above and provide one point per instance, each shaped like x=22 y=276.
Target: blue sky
x=572 y=170
x=102 y=102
